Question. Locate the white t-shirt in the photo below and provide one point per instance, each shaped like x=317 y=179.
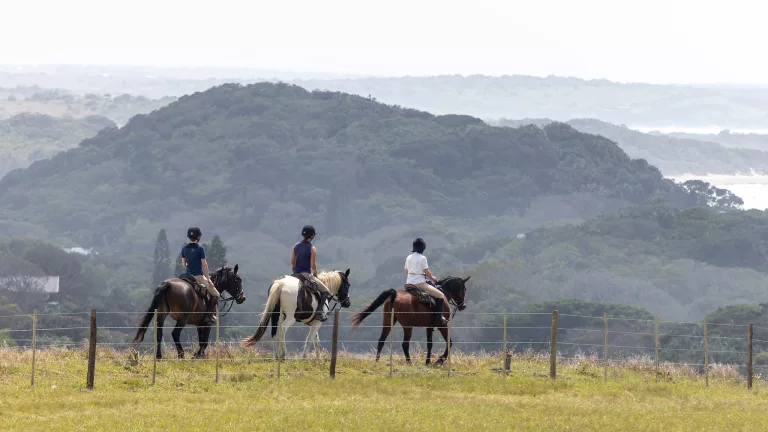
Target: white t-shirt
x=415 y=264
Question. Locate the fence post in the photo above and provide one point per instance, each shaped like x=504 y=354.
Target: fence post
x=91 y=352
x=553 y=347
x=280 y=344
x=334 y=343
x=154 y=355
x=450 y=322
x=391 y=333
x=506 y=354
x=749 y=357
x=218 y=348
x=34 y=346
x=656 y=336
x=605 y=348
x=706 y=357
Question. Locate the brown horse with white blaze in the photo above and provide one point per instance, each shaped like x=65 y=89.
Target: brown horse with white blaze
x=410 y=313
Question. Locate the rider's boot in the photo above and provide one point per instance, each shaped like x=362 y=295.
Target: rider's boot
x=439 y=320
x=210 y=313
x=322 y=314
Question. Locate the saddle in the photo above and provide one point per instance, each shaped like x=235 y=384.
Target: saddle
x=307 y=291
x=422 y=295
x=200 y=290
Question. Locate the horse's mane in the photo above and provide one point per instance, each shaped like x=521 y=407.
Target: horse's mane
x=331 y=279
x=446 y=279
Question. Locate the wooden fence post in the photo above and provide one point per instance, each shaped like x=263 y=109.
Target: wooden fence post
x=553 y=347
x=280 y=337
x=391 y=333
x=506 y=354
x=450 y=322
x=218 y=347
x=91 y=352
x=656 y=333
x=34 y=346
x=749 y=357
x=706 y=357
x=154 y=354
x=334 y=343
x=605 y=348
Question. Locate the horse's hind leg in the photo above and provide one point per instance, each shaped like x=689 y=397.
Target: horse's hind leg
x=407 y=331
x=430 y=332
x=159 y=336
x=176 y=334
x=385 y=328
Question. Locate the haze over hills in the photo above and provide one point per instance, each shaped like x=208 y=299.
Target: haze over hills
x=486 y=97
x=673 y=154
x=26 y=138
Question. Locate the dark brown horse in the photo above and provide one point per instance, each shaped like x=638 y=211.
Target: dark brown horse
x=410 y=313
x=178 y=299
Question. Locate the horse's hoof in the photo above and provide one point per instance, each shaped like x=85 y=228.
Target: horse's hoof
x=428 y=363
x=440 y=361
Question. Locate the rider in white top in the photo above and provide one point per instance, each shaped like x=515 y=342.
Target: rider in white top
x=417 y=272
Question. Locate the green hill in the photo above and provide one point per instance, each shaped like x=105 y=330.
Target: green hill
x=254 y=163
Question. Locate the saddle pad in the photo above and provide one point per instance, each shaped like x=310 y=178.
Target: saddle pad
x=422 y=295
x=304 y=310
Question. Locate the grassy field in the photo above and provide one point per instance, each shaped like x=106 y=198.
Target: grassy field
x=478 y=396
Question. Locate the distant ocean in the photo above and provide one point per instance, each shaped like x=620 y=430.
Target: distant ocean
x=752 y=188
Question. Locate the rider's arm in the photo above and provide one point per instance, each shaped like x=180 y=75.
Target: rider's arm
x=183 y=262
x=206 y=272
x=293 y=258
x=312 y=261
x=406 y=272
x=428 y=274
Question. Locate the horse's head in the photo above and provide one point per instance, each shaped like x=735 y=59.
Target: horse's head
x=455 y=289
x=343 y=293
x=227 y=279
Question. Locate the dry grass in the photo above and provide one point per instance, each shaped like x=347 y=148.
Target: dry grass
x=478 y=395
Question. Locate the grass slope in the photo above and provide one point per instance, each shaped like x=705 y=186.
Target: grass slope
x=477 y=397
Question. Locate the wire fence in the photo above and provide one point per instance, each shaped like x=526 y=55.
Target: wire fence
x=559 y=338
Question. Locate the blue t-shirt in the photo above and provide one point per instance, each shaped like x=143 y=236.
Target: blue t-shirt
x=303 y=251
x=194 y=254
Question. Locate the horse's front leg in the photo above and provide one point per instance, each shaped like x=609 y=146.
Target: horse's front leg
x=203 y=333
x=444 y=332
x=430 y=332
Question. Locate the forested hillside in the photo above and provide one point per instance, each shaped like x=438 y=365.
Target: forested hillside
x=26 y=138
x=678 y=263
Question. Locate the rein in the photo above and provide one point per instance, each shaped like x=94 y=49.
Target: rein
x=226 y=302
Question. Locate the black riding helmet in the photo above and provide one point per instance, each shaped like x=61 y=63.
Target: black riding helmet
x=308 y=231
x=419 y=245
x=194 y=233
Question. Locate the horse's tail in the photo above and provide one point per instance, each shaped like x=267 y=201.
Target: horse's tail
x=363 y=314
x=160 y=292
x=270 y=309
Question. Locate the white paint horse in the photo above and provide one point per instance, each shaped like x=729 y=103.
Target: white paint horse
x=282 y=300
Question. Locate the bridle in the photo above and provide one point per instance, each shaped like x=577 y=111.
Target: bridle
x=224 y=302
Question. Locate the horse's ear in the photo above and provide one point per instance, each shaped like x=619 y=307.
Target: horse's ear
x=346 y=274
x=465 y=280
x=236 y=266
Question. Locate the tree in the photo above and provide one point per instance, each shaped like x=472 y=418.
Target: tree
x=215 y=253
x=162 y=259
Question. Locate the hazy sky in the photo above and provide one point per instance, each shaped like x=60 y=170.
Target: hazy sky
x=649 y=41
